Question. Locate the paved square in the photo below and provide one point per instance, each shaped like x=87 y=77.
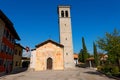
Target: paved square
x=72 y=74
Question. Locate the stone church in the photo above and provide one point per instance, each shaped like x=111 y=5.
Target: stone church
x=50 y=55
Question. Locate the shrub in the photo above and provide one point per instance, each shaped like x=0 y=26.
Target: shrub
x=107 y=69
x=115 y=70
x=99 y=68
x=108 y=73
x=110 y=70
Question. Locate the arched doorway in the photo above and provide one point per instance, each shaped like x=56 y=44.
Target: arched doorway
x=49 y=63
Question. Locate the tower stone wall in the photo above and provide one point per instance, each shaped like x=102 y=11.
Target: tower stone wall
x=66 y=35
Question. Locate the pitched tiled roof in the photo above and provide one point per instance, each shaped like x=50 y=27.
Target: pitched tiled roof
x=49 y=41
x=18 y=44
x=91 y=58
x=75 y=55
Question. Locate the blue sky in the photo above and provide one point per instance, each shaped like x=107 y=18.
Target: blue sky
x=37 y=20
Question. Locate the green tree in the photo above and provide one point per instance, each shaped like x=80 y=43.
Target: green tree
x=111 y=44
x=95 y=54
x=84 y=50
x=80 y=56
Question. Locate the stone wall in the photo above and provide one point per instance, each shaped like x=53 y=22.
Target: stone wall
x=33 y=59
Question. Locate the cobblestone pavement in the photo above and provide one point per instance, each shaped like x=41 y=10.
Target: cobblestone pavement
x=71 y=74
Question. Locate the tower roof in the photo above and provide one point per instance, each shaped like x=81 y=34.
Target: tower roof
x=63 y=6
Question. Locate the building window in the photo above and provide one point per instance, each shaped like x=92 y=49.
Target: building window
x=2 y=47
x=66 y=13
x=13 y=40
x=6 y=50
x=16 y=64
x=4 y=64
x=20 y=63
x=66 y=53
x=5 y=32
x=19 y=53
x=1 y=62
x=10 y=51
x=66 y=38
x=65 y=24
x=15 y=51
x=62 y=13
x=10 y=38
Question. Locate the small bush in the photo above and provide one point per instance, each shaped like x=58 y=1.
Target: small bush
x=110 y=70
x=115 y=70
x=107 y=69
x=108 y=73
x=116 y=75
x=99 y=68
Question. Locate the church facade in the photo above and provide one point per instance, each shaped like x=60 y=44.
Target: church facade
x=50 y=55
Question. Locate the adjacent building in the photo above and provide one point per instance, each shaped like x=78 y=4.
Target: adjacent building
x=25 y=62
x=75 y=58
x=17 y=58
x=8 y=36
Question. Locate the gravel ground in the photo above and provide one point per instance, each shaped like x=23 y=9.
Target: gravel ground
x=71 y=74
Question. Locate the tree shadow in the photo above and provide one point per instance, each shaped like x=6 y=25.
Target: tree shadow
x=101 y=74
x=94 y=73
x=81 y=65
x=19 y=71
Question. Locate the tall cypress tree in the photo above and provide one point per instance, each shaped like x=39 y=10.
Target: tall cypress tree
x=80 y=56
x=85 y=53
x=95 y=54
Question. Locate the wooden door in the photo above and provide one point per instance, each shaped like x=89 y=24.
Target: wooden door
x=49 y=63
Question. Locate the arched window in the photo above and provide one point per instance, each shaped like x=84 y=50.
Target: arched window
x=66 y=13
x=62 y=13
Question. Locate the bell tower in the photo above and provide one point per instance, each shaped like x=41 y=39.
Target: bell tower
x=66 y=35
